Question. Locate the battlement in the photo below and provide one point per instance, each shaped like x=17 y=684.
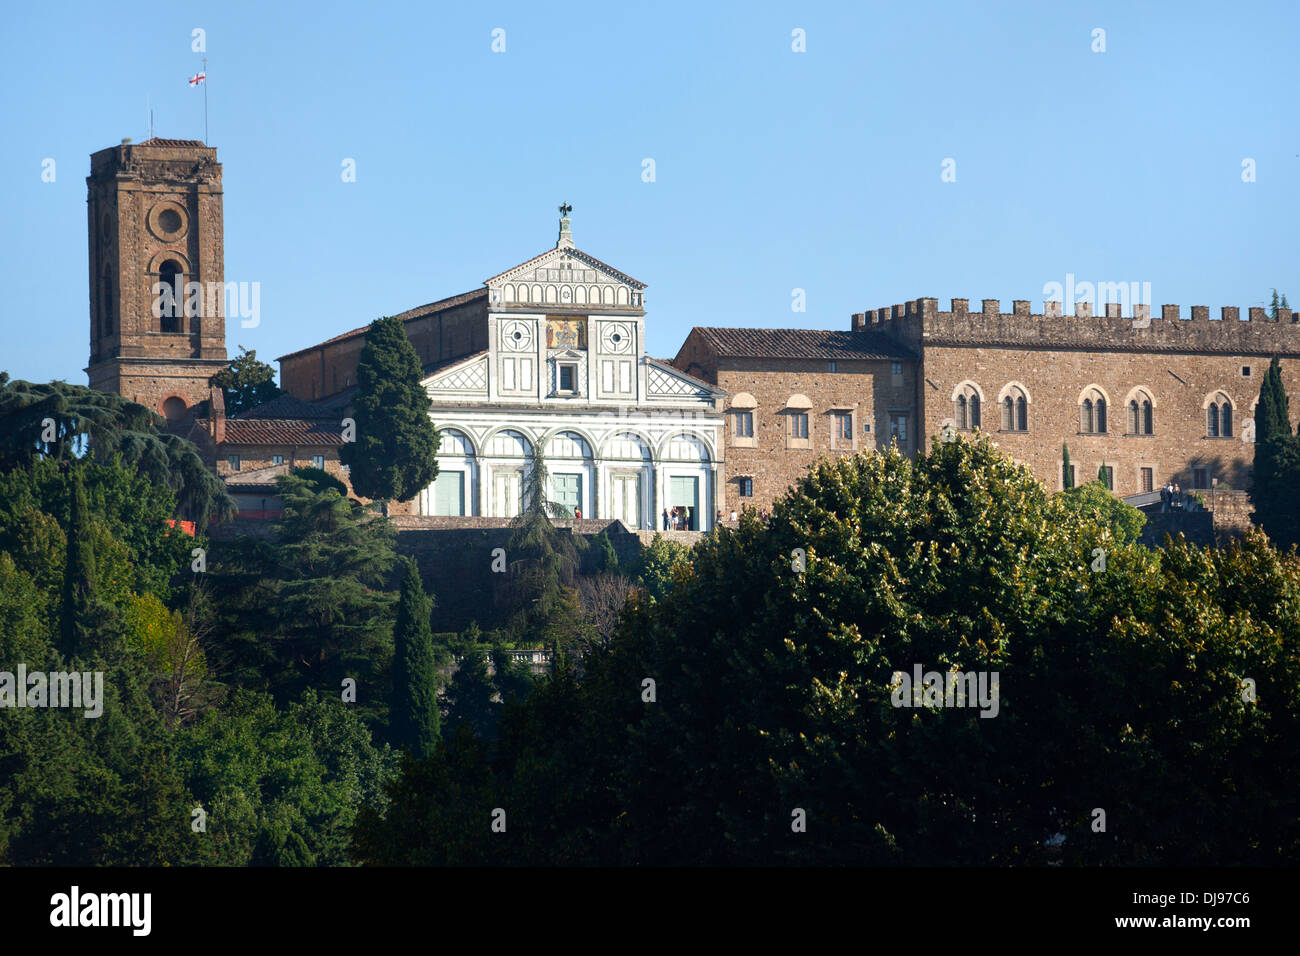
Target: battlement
x=919 y=322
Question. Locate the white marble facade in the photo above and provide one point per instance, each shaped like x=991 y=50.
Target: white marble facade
x=623 y=435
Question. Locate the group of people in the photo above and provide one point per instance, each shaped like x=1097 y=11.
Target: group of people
x=1172 y=498
x=681 y=518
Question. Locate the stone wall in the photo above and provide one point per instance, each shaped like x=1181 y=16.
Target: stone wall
x=865 y=390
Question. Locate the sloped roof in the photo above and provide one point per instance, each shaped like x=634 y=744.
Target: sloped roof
x=577 y=254
x=284 y=406
x=802 y=343
x=674 y=370
x=283 y=431
x=418 y=312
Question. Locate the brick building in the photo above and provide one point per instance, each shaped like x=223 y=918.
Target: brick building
x=1148 y=398
x=154 y=216
x=795 y=395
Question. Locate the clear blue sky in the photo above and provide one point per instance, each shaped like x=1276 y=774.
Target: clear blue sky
x=775 y=170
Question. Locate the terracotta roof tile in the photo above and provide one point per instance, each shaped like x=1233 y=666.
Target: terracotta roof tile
x=802 y=343
x=283 y=431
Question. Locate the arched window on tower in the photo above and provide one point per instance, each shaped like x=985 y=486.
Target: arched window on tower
x=1022 y=414
x=172 y=298
x=1212 y=420
x=1015 y=409
x=961 y=412
x=106 y=305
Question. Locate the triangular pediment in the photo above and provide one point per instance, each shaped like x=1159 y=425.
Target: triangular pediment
x=467 y=376
x=663 y=381
x=566 y=277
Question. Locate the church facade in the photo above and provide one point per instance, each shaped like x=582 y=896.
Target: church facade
x=549 y=356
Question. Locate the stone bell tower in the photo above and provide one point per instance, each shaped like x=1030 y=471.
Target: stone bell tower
x=154 y=211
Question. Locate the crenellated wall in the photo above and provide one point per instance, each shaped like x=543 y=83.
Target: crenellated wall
x=1172 y=329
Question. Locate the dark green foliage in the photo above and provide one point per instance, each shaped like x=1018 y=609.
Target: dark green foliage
x=1275 y=492
x=112 y=425
x=246 y=383
x=282 y=788
x=395 y=452
x=1272 y=415
x=543 y=560
x=318 y=479
x=1275 y=489
x=308 y=608
x=80 y=613
x=1066 y=477
x=607 y=557
x=414 y=714
x=1120 y=689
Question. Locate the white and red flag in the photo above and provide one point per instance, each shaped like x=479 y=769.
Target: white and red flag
x=198 y=78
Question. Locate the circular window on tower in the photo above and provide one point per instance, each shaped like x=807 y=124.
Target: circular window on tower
x=168 y=220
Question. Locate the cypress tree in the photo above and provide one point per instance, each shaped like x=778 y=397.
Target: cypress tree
x=78 y=571
x=1275 y=487
x=415 y=722
x=1067 y=478
x=1272 y=414
x=394 y=454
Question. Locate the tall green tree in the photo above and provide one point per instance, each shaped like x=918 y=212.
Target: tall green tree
x=414 y=717
x=246 y=383
x=394 y=456
x=79 y=611
x=1277 y=304
x=1067 y=476
x=309 y=607
x=1272 y=414
x=1275 y=485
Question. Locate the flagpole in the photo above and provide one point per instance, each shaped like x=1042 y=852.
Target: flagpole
x=205 y=100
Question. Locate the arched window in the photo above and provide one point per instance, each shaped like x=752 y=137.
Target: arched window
x=1092 y=411
x=106 y=311
x=1015 y=407
x=1140 y=412
x=172 y=297
x=966 y=406
x=1218 y=416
